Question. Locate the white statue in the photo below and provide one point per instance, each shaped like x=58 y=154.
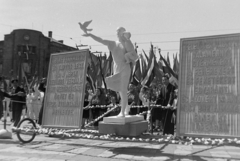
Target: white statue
x=120 y=80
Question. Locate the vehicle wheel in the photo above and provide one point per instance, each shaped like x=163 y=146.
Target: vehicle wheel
x=26 y=130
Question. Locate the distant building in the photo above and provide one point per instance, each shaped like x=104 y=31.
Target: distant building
x=25 y=51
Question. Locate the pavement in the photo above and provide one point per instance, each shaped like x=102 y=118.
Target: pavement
x=44 y=148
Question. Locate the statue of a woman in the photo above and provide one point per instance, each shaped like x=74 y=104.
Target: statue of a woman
x=120 y=80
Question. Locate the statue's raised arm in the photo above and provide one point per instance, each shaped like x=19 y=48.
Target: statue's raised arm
x=108 y=43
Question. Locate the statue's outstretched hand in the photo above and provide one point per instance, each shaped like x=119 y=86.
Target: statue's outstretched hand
x=86 y=35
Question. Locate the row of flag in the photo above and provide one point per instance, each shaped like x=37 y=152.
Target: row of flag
x=147 y=69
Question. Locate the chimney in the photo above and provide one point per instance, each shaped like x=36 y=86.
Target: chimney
x=50 y=34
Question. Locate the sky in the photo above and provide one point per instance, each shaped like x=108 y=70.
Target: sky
x=160 y=22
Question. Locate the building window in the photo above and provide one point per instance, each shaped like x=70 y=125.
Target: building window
x=26 y=48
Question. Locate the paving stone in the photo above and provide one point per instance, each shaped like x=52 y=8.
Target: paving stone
x=202 y=153
x=94 y=152
x=167 y=150
x=111 y=144
x=78 y=150
x=98 y=142
x=201 y=146
x=82 y=158
x=232 y=147
x=35 y=145
x=196 y=158
x=3 y=146
x=141 y=158
x=124 y=156
x=149 y=151
x=18 y=158
x=62 y=156
x=38 y=159
x=220 y=154
x=51 y=147
x=234 y=155
x=160 y=158
x=187 y=159
x=103 y=159
x=58 y=147
x=155 y=146
x=107 y=154
x=124 y=144
x=182 y=152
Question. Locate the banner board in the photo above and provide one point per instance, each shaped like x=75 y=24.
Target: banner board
x=209 y=86
x=64 y=97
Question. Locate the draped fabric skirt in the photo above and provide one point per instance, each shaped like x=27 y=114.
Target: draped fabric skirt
x=119 y=81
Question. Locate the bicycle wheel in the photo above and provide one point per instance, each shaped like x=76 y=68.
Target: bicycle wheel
x=26 y=130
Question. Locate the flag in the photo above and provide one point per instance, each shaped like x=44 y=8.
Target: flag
x=150 y=74
x=91 y=83
x=143 y=66
x=137 y=71
x=168 y=60
x=157 y=68
x=134 y=80
x=107 y=68
x=34 y=82
x=93 y=68
x=173 y=81
x=168 y=69
x=150 y=69
x=176 y=65
x=93 y=59
x=145 y=55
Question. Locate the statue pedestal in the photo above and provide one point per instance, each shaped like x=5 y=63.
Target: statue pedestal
x=131 y=125
x=123 y=120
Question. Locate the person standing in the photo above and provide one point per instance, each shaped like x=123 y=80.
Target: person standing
x=165 y=99
x=17 y=102
x=4 y=94
x=133 y=99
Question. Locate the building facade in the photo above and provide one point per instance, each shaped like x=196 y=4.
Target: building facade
x=26 y=52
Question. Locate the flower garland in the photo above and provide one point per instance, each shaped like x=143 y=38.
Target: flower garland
x=133 y=106
x=94 y=134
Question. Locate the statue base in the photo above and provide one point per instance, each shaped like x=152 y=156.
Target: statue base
x=123 y=126
x=123 y=120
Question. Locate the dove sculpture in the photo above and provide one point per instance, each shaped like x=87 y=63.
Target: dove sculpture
x=84 y=26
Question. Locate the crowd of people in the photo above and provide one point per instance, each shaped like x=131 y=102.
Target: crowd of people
x=141 y=99
x=22 y=103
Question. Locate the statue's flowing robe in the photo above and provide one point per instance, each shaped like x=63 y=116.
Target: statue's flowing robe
x=120 y=80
